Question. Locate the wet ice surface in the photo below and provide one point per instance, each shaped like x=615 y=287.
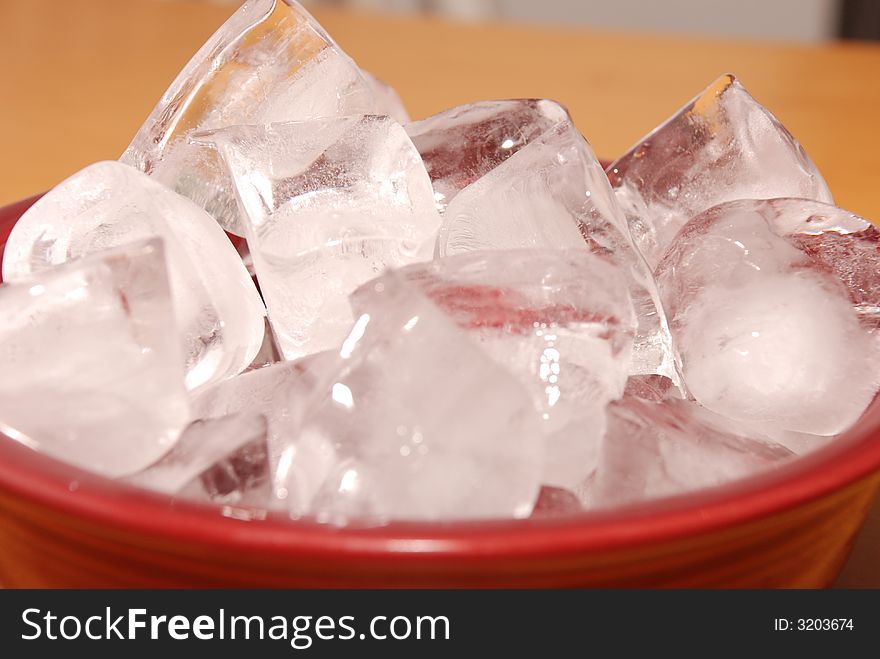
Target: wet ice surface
x=269 y=62
x=721 y=146
x=329 y=205
x=223 y=460
x=423 y=424
x=767 y=330
x=658 y=449
x=91 y=374
x=561 y=322
x=219 y=314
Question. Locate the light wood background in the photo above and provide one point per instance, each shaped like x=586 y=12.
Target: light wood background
x=80 y=76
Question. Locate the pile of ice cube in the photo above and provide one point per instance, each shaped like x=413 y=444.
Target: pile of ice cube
x=466 y=319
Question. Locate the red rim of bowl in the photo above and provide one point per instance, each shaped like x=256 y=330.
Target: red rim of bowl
x=32 y=477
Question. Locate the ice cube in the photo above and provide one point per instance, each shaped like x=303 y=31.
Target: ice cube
x=658 y=449
x=218 y=310
x=723 y=145
x=269 y=62
x=462 y=144
x=840 y=242
x=329 y=204
x=767 y=329
x=223 y=460
x=279 y=393
x=551 y=193
x=423 y=424
x=561 y=321
x=91 y=375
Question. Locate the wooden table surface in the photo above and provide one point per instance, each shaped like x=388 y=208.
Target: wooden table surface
x=80 y=76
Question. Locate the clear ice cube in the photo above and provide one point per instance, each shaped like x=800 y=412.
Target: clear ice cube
x=329 y=204
x=461 y=145
x=561 y=321
x=517 y=175
x=551 y=193
x=659 y=449
x=423 y=424
x=723 y=145
x=222 y=460
x=271 y=61
x=772 y=305
x=839 y=242
x=91 y=373
x=279 y=393
x=220 y=316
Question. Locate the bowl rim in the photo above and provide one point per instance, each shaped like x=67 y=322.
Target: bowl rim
x=79 y=495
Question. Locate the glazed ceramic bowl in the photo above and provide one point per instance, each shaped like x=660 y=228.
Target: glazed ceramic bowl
x=60 y=527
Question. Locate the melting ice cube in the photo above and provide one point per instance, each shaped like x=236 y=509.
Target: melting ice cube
x=423 y=424
x=223 y=460
x=329 y=204
x=773 y=308
x=271 y=61
x=550 y=193
x=561 y=321
x=657 y=449
x=279 y=393
x=723 y=145
x=461 y=145
x=91 y=374
x=218 y=310
x=518 y=174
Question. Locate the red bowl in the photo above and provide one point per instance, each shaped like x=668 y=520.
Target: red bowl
x=61 y=527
